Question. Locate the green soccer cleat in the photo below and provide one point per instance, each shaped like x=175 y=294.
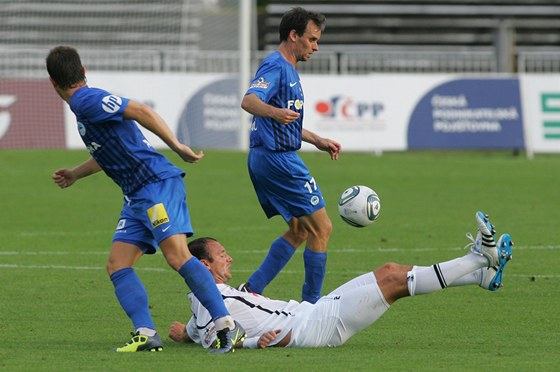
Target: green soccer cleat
x=226 y=339
x=140 y=342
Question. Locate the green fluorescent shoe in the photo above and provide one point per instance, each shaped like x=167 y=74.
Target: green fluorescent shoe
x=140 y=342
x=226 y=339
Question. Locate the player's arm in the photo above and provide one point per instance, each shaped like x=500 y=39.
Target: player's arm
x=255 y=106
x=323 y=144
x=264 y=340
x=149 y=119
x=178 y=333
x=65 y=177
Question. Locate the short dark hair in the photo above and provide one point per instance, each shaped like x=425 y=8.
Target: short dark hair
x=297 y=19
x=199 y=248
x=65 y=67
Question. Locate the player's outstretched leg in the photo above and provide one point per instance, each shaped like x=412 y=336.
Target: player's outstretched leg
x=140 y=342
x=226 y=339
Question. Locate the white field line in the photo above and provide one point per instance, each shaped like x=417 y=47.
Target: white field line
x=157 y=269
x=262 y=251
x=240 y=252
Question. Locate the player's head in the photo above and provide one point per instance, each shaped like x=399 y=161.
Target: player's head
x=199 y=248
x=297 y=19
x=213 y=255
x=65 y=67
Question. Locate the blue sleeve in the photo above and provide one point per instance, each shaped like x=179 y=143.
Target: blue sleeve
x=266 y=83
x=104 y=107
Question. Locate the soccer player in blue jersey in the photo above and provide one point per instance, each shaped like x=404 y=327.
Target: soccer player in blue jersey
x=154 y=213
x=281 y=180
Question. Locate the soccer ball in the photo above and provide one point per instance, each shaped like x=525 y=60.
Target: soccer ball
x=359 y=206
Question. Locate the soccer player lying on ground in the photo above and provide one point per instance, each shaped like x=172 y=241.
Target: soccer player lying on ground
x=348 y=309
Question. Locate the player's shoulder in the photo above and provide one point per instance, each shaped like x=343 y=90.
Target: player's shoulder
x=91 y=100
x=90 y=92
x=273 y=61
x=226 y=289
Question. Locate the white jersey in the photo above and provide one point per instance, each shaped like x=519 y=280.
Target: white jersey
x=330 y=322
x=257 y=314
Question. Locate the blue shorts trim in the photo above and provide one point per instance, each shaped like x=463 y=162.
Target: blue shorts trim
x=283 y=184
x=154 y=213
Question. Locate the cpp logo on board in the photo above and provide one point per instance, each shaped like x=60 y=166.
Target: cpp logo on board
x=348 y=108
x=469 y=113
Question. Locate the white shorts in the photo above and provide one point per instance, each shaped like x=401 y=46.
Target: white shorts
x=341 y=314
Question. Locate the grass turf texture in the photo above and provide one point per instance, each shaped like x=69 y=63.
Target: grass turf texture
x=58 y=310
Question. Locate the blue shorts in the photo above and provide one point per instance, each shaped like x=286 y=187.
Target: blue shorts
x=283 y=184
x=154 y=213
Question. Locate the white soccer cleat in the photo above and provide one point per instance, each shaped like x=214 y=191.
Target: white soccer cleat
x=485 y=245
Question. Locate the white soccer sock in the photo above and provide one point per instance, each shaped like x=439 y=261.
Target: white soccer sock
x=472 y=278
x=224 y=322
x=469 y=279
x=146 y=331
x=439 y=276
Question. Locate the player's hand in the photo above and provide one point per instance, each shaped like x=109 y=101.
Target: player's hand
x=64 y=177
x=330 y=146
x=266 y=338
x=285 y=116
x=188 y=155
x=177 y=332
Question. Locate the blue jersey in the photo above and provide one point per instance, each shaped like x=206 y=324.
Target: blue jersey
x=117 y=144
x=277 y=83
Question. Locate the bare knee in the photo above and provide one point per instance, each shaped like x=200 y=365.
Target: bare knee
x=296 y=237
x=296 y=233
x=319 y=231
x=391 y=278
x=175 y=262
x=386 y=269
x=123 y=255
x=113 y=266
x=325 y=228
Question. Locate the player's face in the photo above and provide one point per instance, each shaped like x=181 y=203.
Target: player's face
x=308 y=43
x=221 y=264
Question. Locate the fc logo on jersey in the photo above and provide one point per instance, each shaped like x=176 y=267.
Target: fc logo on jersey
x=111 y=104
x=297 y=103
x=157 y=215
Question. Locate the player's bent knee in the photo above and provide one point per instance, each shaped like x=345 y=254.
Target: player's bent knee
x=391 y=267
x=114 y=266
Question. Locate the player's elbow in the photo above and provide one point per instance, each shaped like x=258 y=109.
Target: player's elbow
x=250 y=103
x=245 y=103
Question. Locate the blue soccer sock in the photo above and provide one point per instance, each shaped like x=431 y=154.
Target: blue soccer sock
x=315 y=267
x=278 y=256
x=202 y=284
x=133 y=297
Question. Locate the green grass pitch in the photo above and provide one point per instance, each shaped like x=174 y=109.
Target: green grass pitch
x=58 y=311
